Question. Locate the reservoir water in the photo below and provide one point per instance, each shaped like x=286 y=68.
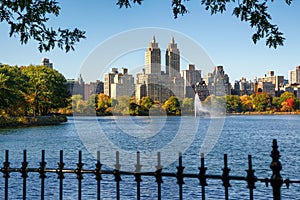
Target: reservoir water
x=236 y=136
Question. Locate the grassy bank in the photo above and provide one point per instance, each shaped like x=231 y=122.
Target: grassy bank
x=32 y=121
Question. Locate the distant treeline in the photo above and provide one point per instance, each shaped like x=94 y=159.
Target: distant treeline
x=103 y=105
x=40 y=91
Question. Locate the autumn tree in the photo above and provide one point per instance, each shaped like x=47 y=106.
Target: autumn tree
x=261 y=102
x=246 y=103
x=104 y=104
x=172 y=106
x=146 y=102
x=286 y=95
x=286 y=101
x=287 y=105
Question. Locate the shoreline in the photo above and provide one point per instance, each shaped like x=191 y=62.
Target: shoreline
x=266 y=113
x=6 y=122
x=192 y=114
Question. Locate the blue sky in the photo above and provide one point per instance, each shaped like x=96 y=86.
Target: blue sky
x=225 y=39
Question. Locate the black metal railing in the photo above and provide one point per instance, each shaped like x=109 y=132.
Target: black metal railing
x=276 y=181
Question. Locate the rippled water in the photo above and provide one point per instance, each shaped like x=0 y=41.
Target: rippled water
x=240 y=136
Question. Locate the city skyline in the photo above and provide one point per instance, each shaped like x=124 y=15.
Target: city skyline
x=152 y=81
x=225 y=39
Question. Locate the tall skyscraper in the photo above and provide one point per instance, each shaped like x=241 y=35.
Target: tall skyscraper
x=173 y=59
x=153 y=58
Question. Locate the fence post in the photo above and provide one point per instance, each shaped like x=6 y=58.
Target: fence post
x=137 y=175
x=251 y=178
x=117 y=174
x=179 y=176
x=98 y=175
x=5 y=171
x=202 y=176
x=60 y=174
x=78 y=172
x=276 y=179
x=158 y=176
x=42 y=174
x=225 y=177
x=24 y=172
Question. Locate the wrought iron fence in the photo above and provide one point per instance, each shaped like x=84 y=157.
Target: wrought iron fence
x=276 y=181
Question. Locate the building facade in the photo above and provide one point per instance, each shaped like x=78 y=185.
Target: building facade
x=46 y=62
x=243 y=87
x=123 y=85
x=294 y=76
x=270 y=80
x=191 y=77
x=75 y=87
x=108 y=80
x=218 y=82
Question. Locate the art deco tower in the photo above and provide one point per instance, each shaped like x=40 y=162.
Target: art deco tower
x=173 y=59
x=152 y=58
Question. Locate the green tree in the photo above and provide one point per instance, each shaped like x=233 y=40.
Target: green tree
x=47 y=88
x=276 y=102
x=255 y=12
x=215 y=104
x=297 y=104
x=77 y=103
x=187 y=106
x=122 y=106
x=233 y=103
x=13 y=90
x=172 y=106
x=90 y=105
x=133 y=109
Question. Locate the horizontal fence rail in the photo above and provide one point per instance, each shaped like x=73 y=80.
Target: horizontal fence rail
x=276 y=181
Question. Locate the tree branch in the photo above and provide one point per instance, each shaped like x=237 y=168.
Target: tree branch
x=28 y=19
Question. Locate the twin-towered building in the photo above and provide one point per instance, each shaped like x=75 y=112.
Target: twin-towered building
x=155 y=83
x=160 y=84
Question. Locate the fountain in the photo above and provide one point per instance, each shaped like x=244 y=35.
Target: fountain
x=198 y=106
